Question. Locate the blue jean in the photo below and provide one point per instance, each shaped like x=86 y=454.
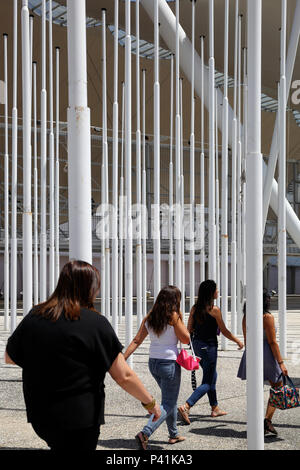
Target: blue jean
x=167 y=374
x=208 y=353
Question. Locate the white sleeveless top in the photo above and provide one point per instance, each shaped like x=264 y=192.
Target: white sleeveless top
x=163 y=346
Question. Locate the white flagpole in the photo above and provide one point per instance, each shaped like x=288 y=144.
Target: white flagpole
x=27 y=214
x=139 y=276
x=239 y=189
x=217 y=201
x=128 y=166
x=245 y=127
x=233 y=183
x=202 y=172
x=212 y=194
x=254 y=240
x=115 y=279
x=171 y=256
x=36 y=208
x=43 y=208
x=156 y=215
x=192 y=167
x=6 y=194
x=282 y=277
x=103 y=180
x=14 y=175
x=224 y=223
x=182 y=201
x=51 y=160
x=121 y=211
x=57 y=259
x=144 y=201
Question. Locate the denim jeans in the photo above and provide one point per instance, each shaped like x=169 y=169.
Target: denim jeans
x=208 y=353
x=167 y=374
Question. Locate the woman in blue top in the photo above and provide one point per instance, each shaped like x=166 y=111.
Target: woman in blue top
x=205 y=321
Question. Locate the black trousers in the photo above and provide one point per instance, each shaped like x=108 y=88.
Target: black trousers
x=77 y=440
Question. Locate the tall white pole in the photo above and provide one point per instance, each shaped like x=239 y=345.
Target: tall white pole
x=245 y=102
x=212 y=193
x=178 y=215
x=14 y=176
x=233 y=181
x=36 y=208
x=282 y=188
x=202 y=173
x=254 y=240
x=144 y=200
x=139 y=275
x=6 y=195
x=171 y=177
x=217 y=201
x=224 y=222
x=43 y=208
x=156 y=90
x=114 y=271
x=182 y=199
x=121 y=211
x=57 y=259
x=105 y=163
x=79 y=137
x=51 y=162
x=128 y=166
x=192 y=167
x=27 y=214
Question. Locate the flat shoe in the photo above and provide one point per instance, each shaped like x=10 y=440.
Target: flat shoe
x=184 y=414
x=174 y=440
x=215 y=414
x=142 y=441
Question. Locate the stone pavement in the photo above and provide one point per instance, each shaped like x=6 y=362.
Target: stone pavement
x=125 y=416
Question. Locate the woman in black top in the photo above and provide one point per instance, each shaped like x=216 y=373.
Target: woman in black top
x=65 y=349
x=204 y=322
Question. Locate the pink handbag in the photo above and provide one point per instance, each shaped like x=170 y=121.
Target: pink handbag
x=186 y=361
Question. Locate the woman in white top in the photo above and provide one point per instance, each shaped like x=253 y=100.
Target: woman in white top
x=165 y=327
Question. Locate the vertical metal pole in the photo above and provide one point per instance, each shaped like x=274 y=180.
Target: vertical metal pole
x=224 y=222
x=139 y=275
x=202 y=173
x=156 y=124
x=212 y=193
x=128 y=240
x=144 y=201
x=217 y=201
x=79 y=137
x=282 y=187
x=245 y=128
x=122 y=214
x=36 y=208
x=182 y=201
x=192 y=167
x=43 y=208
x=115 y=178
x=171 y=256
x=14 y=176
x=27 y=214
x=57 y=258
x=6 y=194
x=239 y=189
x=233 y=182
x=255 y=396
x=51 y=161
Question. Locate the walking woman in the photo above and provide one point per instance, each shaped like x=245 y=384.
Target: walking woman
x=65 y=347
x=165 y=327
x=204 y=322
x=273 y=363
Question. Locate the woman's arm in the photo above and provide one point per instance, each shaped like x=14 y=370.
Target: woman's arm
x=216 y=313
x=137 y=340
x=269 y=326
x=127 y=379
x=180 y=329
x=8 y=360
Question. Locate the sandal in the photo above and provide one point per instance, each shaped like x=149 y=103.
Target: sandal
x=174 y=440
x=269 y=427
x=142 y=440
x=184 y=414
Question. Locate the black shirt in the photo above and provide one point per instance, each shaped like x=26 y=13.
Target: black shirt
x=64 y=365
x=207 y=331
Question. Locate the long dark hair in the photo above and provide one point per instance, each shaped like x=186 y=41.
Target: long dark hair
x=266 y=302
x=167 y=302
x=205 y=300
x=77 y=287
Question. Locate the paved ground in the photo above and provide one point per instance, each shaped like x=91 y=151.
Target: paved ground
x=125 y=416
